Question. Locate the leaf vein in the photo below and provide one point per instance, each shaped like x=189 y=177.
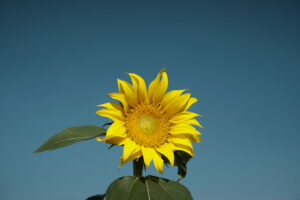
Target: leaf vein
x=147 y=187
x=132 y=186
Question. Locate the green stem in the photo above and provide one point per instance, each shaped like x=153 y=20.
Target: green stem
x=138 y=167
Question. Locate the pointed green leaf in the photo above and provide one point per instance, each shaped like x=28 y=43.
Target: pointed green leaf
x=181 y=160
x=146 y=188
x=70 y=136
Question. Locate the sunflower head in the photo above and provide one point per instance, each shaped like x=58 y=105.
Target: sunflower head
x=150 y=123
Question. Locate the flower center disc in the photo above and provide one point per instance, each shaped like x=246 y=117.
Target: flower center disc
x=147 y=125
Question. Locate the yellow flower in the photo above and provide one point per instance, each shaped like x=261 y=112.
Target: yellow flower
x=150 y=124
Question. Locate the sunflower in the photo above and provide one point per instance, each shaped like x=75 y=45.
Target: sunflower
x=150 y=124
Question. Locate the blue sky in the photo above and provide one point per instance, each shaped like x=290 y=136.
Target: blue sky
x=58 y=59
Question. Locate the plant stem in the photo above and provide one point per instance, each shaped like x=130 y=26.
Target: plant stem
x=137 y=167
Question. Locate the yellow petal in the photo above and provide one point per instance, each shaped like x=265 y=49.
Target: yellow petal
x=181 y=141
x=196 y=138
x=134 y=155
x=170 y=97
x=158 y=162
x=193 y=122
x=184 y=148
x=127 y=89
x=130 y=147
x=120 y=97
x=113 y=114
x=111 y=105
x=183 y=128
x=161 y=89
x=167 y=150
x=158 y=88
x=154 y=84
x=182 y=116
x=190 y=136
x=117 y=129
x=113 y=140
x=147 y=155
x=140 y=88
x=190 y=102
x=178 y=105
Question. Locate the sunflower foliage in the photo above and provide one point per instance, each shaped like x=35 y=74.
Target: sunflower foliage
x=150 y=125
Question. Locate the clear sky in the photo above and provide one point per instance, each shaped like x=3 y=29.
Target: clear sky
x=241 y=59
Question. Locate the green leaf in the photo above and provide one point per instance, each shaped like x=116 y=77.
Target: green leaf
x=181 y=160
x=97 y=197
x=106 y=124
x=146 y=188
x=70 y=136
